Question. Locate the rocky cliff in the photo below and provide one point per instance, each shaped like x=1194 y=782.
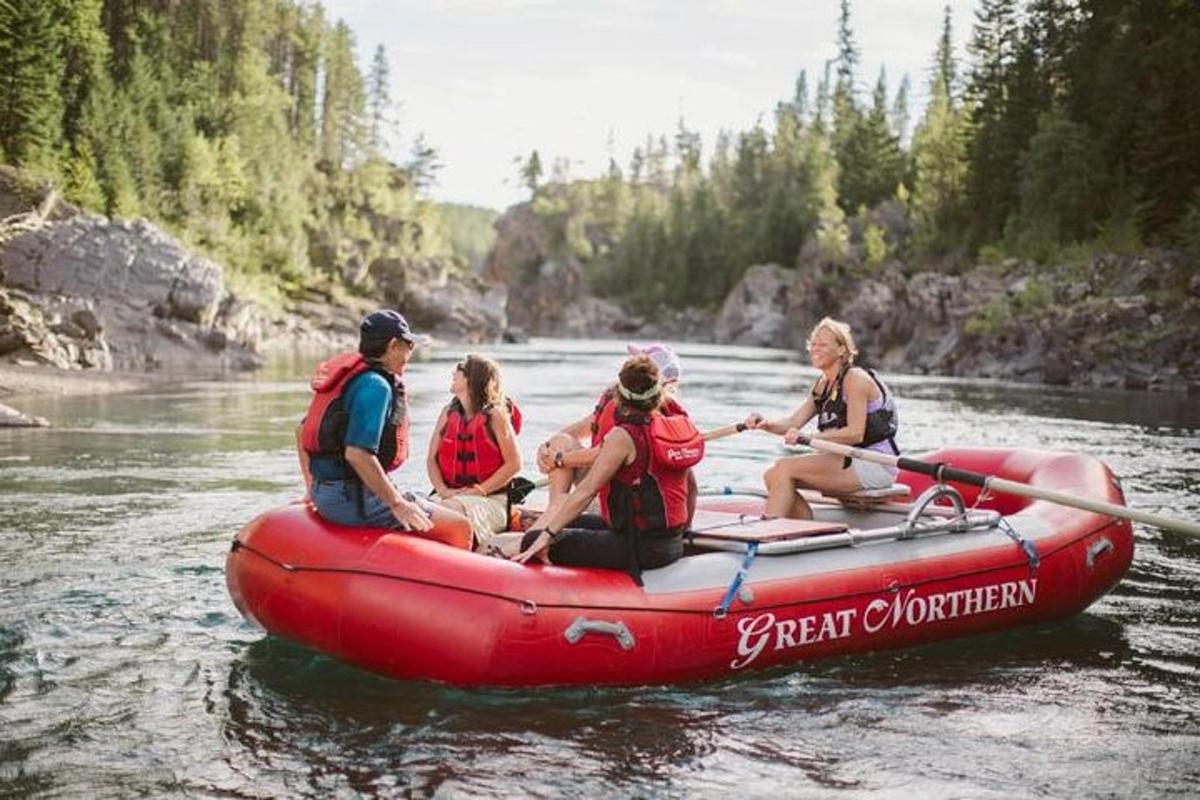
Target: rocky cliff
x=1120 y=322
x=1111 y=320
x=548 y=292
x=80 y=291
x=91 y=292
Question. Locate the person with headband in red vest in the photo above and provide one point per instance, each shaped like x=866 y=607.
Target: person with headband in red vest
x=356 y=431
x=564 y=459
x=642 y=477
x=473 y=453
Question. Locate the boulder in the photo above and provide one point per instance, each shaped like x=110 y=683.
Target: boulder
x=133 y=263
x=88 y=322
x=11 y=418
x=755 y=312
x=520 y=247
x=88 y=292
x=460 y=311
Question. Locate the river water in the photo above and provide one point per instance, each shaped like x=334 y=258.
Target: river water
x=125 y=670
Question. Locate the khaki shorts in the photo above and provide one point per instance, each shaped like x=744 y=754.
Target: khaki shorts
x=488 y=515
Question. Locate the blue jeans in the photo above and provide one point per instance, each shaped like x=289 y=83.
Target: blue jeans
x=337 y=502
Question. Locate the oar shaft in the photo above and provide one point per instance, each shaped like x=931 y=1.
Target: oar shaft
x=721 y=432
x=947 y=472
x=1099 y=506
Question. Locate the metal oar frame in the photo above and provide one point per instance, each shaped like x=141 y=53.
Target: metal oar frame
x=925 y=517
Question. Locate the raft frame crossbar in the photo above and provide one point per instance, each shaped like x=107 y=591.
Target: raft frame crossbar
x=853 y=537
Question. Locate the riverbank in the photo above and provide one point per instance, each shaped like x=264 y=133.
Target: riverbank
x=1084 y=318
x=92 y=305
x=19 y=381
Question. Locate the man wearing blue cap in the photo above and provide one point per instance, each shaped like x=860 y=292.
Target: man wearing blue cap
x=356 y=431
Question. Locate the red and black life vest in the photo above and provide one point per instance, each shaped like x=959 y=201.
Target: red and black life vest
x=468 y=452
x=650 y=494
x=323 y=432
x=604 y=415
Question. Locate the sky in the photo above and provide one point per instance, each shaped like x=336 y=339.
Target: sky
x=488 y=81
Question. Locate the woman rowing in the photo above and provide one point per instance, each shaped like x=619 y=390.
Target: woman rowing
x=473 y=452
x=852 y=406
x=641 y=475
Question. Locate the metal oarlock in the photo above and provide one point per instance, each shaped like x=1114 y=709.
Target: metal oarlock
x=939 y=490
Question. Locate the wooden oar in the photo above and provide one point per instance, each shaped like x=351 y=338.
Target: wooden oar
x=722 y=432
x=945 y=472
x=521 y=487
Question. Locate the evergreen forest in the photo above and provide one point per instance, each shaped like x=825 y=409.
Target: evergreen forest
x=1070 y=127
x=248 y=129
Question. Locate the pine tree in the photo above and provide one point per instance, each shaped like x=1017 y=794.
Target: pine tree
x=31 y=69
x=800 y=101
x=882 y=160
x=425 y=163
x=1164 y=160
x=378 y=99
x=944 y=67
x=531 y=173
x=85 y=52
x=1060 y=186
x=303 y=83
x=343 y=101
x=899 y=116
x=994 y=154
x=687 y=154
x=939 y=154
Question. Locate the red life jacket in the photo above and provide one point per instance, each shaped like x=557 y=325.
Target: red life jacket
x=651 y=492
x=604 y=415
x=468 y=452
x=323 y=431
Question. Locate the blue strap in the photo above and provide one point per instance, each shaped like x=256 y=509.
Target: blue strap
x=722 y=610
x=1026 y=545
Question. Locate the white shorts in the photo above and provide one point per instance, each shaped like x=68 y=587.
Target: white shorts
x=488 y=515
x=874 y=476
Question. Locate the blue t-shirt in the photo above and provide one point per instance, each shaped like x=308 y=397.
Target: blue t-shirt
x=368 y=402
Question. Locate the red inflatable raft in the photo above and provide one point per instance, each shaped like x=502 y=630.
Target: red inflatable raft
x=751 y=593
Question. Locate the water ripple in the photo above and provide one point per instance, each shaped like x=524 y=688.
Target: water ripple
x=124 y=669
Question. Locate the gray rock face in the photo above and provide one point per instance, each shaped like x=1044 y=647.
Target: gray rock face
x=965 y=324
x=460 y=312
x=756 y=311
x=548 y=294
x=134 y=263
x=456 y=308
x=92 y=293
x=556 y=302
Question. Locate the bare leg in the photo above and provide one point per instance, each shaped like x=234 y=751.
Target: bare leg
x=452 y=504
x=450 y=527
x=821 y=471
x=561 y=478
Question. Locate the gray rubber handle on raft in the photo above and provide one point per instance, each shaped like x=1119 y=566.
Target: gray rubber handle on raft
x=1097 y=549
x=582 y=626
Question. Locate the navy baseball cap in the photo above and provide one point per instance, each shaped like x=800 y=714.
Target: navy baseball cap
x=385 y=325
